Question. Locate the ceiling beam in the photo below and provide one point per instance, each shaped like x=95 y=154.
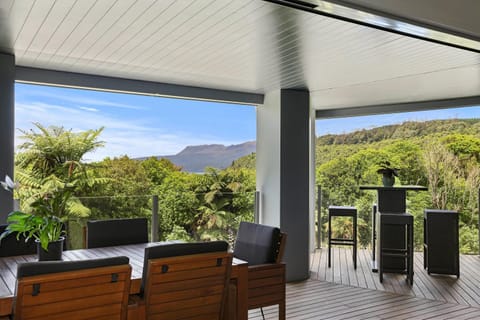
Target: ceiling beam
x=352 y=15
x=398 y=107
x=112 y=84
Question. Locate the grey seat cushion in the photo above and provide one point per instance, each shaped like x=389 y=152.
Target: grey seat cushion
x=256 y=243
x=46 y=267
x=179 y=249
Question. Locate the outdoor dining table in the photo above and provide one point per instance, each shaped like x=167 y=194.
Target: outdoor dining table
x=8 y=272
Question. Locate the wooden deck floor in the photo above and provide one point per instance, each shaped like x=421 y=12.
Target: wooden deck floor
x=465 y=290
x=341 y=292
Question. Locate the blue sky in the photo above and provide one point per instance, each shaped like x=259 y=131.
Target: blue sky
x=140 y=126
x=134 y=125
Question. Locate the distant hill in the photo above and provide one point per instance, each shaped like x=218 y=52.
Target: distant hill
x=331 y=146
x=405 y=130
x=196 y=158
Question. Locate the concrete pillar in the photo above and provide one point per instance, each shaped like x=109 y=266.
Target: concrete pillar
x=284 y=172
x=7 y=128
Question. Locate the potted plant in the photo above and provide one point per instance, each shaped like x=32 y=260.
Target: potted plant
x=388 y=173
x=44 y=223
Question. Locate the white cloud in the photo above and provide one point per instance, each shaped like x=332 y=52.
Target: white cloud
x=89 y=109
x=68 y=117
x=80 y=100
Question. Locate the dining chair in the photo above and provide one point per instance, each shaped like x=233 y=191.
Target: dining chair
x=262 y=247
x=10 y=246
x=86 y=289
x=186 y=280
x=116 y=232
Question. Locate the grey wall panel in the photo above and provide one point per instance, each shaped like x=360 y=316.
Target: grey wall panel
x=7 y=128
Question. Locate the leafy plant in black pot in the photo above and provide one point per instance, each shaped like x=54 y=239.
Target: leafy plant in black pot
x=388 y=173
x=44 y=224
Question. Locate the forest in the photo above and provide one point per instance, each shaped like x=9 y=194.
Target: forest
x=443 y=155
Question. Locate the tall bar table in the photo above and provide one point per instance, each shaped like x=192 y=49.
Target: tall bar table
x=390 y=200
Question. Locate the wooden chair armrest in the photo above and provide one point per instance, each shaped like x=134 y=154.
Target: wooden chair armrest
x=263 y=271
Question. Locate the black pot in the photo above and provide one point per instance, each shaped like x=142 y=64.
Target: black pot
x=388 y=180
x=54 y=252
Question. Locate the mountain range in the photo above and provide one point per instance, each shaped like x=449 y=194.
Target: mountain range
x=196 y=158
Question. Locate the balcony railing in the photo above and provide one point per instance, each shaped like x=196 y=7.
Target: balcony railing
x=188 y=217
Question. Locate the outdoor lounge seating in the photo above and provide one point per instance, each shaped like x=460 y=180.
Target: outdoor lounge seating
x=185 y=280
x=262 y=247
x=87 y=289
x=114 y=232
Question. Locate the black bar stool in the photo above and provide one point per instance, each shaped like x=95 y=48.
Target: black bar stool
x=337 y=211
x=440 y=242
x=406 y=253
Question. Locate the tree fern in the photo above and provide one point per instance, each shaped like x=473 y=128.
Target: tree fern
x=51 y=170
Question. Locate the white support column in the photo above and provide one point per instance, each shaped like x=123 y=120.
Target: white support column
x=268 y=158
x=7 y=131
x=283 y=173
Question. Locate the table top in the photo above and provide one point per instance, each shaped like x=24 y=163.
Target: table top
x=406 y=188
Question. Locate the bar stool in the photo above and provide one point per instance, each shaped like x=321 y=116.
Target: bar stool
x=402 y=220
x=338 y=211
x=440 y=242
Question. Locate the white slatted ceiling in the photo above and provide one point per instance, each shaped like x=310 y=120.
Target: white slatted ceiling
x=244 y=45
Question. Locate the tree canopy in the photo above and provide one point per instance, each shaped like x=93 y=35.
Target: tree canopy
x=443 y=155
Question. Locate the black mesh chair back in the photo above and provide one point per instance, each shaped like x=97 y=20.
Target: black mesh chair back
x=106 y=233
x=10 y=246
x=257 y=243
